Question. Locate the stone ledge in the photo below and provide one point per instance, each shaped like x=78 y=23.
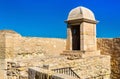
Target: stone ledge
x=76 y=54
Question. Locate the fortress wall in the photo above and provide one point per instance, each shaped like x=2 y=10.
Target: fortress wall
x=32 y=45
x=14 y=44
x=111 y=47
x=54 y=46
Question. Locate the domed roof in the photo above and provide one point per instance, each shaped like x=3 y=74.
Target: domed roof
x=81 y=12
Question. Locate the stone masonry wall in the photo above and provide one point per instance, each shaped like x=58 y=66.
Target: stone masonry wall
x=12 y=43
x=86 y=68
x=50 y=45
x=53 y=46
x=32 y=45
x=111 y=47
x=93 y=67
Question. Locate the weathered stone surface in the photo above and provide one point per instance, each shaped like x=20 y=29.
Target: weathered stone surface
x=40 y=45
x=111 y=47
x=26 y=47
x=91 y=67
x=2 y=69
x=12 y=43
x=81 y=12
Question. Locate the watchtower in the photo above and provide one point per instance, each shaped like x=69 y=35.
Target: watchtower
x=81 y=33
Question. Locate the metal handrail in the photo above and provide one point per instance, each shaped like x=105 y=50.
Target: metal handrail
x=69 y=70
x=75 y=73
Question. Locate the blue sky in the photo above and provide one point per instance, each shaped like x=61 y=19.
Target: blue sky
x=45 y=18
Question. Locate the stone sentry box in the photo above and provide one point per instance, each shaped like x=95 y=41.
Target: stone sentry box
x=81 y=33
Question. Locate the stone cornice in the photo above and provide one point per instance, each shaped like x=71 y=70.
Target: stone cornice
x=78 y=21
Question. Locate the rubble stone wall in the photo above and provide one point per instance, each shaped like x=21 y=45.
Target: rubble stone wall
x=111 y=47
